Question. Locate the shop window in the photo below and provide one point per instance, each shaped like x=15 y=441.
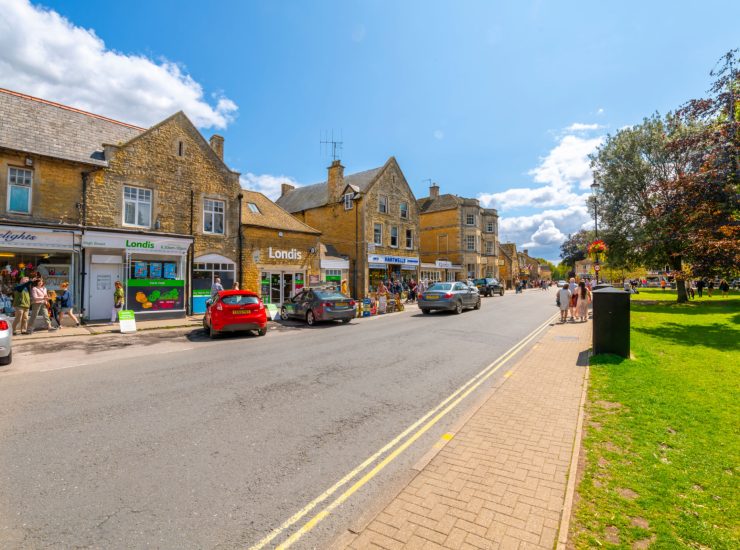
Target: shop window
x=489 y=227
x=213 y=217
x=348 y=201
x=333 y=275
x=394 y=236
x=409 y=238
x=470 y=219
x=470 y=242
x=378 y=234
x=137 y=206
x=405 y=210
x=383 y=204
x=19 y=190
x=253 y=208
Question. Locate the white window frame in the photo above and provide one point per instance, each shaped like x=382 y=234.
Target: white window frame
x=383 y=204
x=468 y=217
x=409 y=239
x=400 y=210
x=348 y=203
x=136 y=204
x=467 y=243
x=394 y=228
x=489 y=248
x=213 y=213
x=253 y=208
x=23 y=186
x=377 y=241
x=490 y=227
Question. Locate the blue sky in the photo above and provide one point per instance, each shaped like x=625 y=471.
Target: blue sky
x=501 y=100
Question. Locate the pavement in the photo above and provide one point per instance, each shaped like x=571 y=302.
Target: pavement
x=502 y=479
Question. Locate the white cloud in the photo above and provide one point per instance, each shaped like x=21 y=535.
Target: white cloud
x=46 y=55
x=581 y=127
x=600 y=111
x=547 y=234
x=266 y=184
x=567 y=163
x=439 y=134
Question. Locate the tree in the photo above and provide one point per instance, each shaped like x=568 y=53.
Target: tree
x=574 y=247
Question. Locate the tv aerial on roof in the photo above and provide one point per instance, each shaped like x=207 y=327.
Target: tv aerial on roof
x=328 y=142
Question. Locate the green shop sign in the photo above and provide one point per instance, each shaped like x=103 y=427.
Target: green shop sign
x=156 y=282
x=201 y=292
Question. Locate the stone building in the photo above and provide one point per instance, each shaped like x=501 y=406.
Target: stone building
x=154 y=208
x=281 y=254
x=371 y=218
x=508 y=264
x=529 y=268
x=459 y=238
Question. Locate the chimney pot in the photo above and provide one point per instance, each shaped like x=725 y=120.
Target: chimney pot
x=286 y=188
x=335 y=181
x=434 y=190
x=217 y=144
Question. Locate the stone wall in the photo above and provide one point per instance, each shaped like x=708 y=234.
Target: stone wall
x=440 y=236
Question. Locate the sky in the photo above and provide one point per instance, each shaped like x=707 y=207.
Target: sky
x=502 y=101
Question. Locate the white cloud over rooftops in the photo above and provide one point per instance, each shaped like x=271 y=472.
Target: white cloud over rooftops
x=45 y=55
x=266 y=184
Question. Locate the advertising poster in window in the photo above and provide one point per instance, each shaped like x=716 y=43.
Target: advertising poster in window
x=155 y=295
x=155 y=270
x=170 y=270
x=141 y=270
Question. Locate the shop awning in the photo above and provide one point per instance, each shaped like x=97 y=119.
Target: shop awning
x=334 y=263
x=377 y=266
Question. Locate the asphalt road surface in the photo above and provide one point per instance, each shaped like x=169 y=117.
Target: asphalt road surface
x=169 y=440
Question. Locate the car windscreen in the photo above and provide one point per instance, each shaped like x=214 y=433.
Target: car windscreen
x=480 y=281
x=239 y=300
x=441 y=286
x=324 y=295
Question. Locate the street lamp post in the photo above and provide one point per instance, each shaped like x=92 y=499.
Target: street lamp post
x=595 y=188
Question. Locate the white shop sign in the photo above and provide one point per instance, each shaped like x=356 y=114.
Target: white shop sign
x=43 y=239
x=382 y=259
x=334 y=263
x=137 y=243
x=278 y=254
x=443 y=264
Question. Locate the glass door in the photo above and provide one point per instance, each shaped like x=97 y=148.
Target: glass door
x=287 y=286
x=275 y=289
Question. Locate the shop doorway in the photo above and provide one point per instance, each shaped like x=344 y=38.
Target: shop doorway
x=102 y=279
x=277 y=287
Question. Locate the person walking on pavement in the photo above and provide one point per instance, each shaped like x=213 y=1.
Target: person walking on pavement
x=216 y=287
x=572 y=286
x=117 y=302
x=66 y=306
x=564 y=297
x=21 y=304
x=584 y=298
x=39 y=299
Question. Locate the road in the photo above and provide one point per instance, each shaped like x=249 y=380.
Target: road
x=174 y=441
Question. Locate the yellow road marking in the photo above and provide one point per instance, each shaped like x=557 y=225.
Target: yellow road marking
x=447 y=437
x=475 y=381
x=508 y=373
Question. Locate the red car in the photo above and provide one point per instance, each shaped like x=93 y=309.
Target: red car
x=235 y=310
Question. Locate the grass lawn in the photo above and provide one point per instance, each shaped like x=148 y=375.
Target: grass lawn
x=662 y=441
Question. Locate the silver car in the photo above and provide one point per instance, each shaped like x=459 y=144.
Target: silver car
x=313 y=305
x=454 y=296
x=6 y=340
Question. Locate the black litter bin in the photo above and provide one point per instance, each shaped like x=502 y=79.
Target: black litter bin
x=611 y=321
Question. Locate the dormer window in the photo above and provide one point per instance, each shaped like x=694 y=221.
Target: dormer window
x=253 y=208
x=348 y=201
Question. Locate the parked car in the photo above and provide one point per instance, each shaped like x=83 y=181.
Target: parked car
x=234 y=311
x=313 y=305
x=489 y=286
x=6 y=340
x=449 y=296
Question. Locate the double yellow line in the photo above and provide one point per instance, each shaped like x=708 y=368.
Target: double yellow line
x=422 y=425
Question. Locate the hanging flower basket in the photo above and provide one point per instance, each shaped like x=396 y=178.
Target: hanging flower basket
x=596 y=248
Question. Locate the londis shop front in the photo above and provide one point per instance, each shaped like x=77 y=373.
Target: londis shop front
x=152 y=269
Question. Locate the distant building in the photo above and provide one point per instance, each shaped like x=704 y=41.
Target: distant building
x=508 y=264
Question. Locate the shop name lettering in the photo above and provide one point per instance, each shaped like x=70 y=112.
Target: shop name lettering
x=10 y=237
x=139 y=244
x=291 y=254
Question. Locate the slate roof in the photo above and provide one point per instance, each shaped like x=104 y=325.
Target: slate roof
x=271 y=216
x=41 y=127
x=316 y=195
x=442 y=202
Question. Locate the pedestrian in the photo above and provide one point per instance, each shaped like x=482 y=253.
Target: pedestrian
x=421 y=287
x=382 y=297
x=662 y=284
x=344 y=287
x=216 y=287
x=710 y=287
x=21 y=304
x=66 y=305
x=564 y=301
x=584 y=298
x=118 y=299
x=39 y=299
x=52 y=307
x=235 y=286
x=724 y=287
x=572 y=286
x=700 y=284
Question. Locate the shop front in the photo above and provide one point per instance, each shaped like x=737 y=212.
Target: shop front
x=31 y=251
x=152 y=269
x=205 y=271
x=283 y=272
x=390 y=268
x=334 y=271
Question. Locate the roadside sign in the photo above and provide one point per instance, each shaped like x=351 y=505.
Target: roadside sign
x=597 y=267
x=126 y=321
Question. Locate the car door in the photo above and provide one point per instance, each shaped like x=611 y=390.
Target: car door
x=461 y=290
x=292 y=304
x=306 y=303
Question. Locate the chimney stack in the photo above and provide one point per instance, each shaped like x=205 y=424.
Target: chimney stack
x=335 y=181
x=526 y=252
x=434 y=190
x=286 y=188
x=217 y=144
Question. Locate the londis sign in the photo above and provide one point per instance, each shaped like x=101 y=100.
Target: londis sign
x=139 y=244
x=277 y=254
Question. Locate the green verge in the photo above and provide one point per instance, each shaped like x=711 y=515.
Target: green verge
x=662 y=445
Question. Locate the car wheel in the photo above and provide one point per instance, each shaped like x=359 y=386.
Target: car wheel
x=205 y=325
x=458 y=308
x=310 y=318
x=212 y=333
x=425 y=311
x=8 y=359
x=262 y=331
x=477 y=304
x=501 y=293
x=345 y=321
x=283 y=313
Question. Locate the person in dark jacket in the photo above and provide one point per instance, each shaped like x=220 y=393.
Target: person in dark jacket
x=64 y=301
x=21 y=304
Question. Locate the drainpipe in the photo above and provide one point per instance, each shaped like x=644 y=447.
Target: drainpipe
x=83 y=271
x=355 y=288
x=239 y=241
x=190 y=253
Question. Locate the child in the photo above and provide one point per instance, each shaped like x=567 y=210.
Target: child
x=53 y=307
x=65 y=305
